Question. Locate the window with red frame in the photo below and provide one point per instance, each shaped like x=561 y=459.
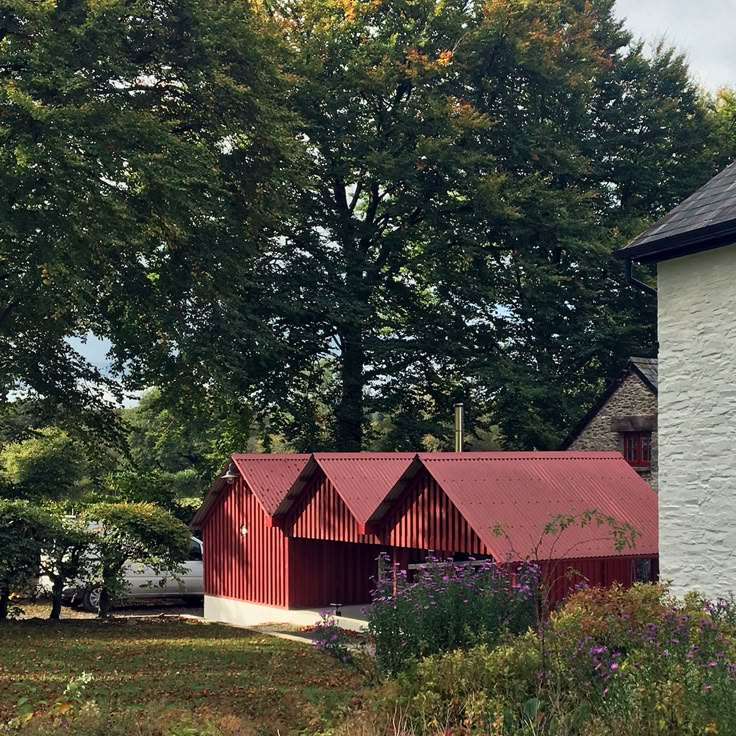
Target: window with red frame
x=638 y=448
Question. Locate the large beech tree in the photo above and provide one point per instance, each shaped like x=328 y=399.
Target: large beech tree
x=470 y=168
x=337 y=217
x=139 y=141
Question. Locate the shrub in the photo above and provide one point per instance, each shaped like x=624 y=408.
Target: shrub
x=637 y=662
x=331 y=639
x=141 y=532
x=449 y=606
x=22 y=530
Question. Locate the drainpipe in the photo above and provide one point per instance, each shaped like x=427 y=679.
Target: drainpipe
x=459 y=421
x=631 y=281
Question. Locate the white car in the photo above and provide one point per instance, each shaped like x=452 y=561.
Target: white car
x=143 y=582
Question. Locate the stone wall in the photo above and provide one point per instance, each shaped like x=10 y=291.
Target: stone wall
x=632 y=398
x=697 y=421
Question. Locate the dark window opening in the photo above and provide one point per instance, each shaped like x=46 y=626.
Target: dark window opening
x=638 y=448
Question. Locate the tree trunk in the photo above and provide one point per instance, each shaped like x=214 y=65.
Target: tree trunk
x=349 y=414
x=58 y=586
x=4 y=597
x=104 y=603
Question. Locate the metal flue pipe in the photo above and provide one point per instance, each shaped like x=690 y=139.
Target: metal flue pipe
x=459 y=427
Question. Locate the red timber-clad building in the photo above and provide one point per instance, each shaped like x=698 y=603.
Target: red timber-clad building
x=304 y=531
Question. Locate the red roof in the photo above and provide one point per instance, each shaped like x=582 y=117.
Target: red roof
x=521 y=492
x=268 y=476
x=362 y=480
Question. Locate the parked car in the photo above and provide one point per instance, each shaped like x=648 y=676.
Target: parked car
x=143 y=582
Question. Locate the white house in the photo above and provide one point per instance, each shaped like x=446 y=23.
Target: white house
x=694 y=248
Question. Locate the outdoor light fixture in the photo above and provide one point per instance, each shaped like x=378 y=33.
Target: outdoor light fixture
x=243 y=530
x=230 y=474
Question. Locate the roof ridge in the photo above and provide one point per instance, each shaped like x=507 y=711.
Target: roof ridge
x=706 y=219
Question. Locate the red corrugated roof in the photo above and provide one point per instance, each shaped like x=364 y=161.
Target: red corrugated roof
x=270 y=476
x=364 y=479
x=521 y=492
x=361 y=479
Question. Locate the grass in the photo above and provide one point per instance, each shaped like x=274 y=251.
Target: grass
x=273 y=685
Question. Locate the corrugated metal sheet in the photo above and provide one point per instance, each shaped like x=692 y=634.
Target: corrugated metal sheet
x=362 y=479
x=425 y=518
x=446 y=503
x=319 y=512
x=521 y=492
x=243 y=558
x=270 y=476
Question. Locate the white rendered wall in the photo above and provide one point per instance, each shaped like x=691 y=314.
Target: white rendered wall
x=697 y=422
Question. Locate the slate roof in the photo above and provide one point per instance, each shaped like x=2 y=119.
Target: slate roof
x=705 y=220
x=645 y=368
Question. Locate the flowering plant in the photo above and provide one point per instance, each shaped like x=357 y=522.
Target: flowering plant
x=331 y=639
x=449 y=605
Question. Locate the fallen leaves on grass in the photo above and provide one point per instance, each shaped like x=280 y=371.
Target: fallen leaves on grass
x=176 y=664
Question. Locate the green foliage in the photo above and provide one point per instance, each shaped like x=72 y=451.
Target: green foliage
x=68 y=553
x=139 y=532
x=141 y=156
x=469 y=171
x=172 y=455
x=22 y=530
x=623 y=661
x=448 y=606
x=331 y=639
x=49 y=465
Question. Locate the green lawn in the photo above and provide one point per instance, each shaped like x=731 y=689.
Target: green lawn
x=270 y=684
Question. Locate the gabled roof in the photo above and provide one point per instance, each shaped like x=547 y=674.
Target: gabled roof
x=705 y=220
x=645 y=368
x=269 y=477
x=362 y=480
x=521 y=492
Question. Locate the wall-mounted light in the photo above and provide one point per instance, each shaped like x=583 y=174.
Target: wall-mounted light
x=243 y=530
x=230 y=474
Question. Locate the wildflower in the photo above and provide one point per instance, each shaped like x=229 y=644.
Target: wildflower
x=614 y=665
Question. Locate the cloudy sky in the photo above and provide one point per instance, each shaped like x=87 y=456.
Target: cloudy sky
x=703 y=29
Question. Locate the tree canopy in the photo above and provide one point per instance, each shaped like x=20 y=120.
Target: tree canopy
x=468 y=172
x=329 y=220
x=138 y=145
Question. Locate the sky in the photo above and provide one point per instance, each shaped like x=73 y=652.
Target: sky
x=703 y=29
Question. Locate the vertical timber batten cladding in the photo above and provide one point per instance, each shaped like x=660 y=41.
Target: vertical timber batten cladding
x=236 y=531
x=336 y=493
x=246 y=557
x=425 y=518
x=306 y=531
x=498 y=504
